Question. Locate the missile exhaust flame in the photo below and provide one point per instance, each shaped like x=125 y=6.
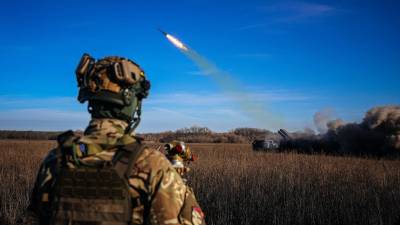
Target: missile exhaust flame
x=175 y=41
x=230 y=86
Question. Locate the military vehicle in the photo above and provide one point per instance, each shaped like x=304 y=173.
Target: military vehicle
x=263 y=145
x=268 y=144
x=300 y=144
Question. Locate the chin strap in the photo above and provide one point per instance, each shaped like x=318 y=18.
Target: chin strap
x=136 y=120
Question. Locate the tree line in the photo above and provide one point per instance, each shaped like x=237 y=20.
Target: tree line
x=194 y=134
x=197 y=134
x=29 y=135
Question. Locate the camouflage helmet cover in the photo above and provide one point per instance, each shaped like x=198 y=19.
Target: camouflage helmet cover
x=114 y=86
x=111 y=79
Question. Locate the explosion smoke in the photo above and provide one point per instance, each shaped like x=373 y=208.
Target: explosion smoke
x=247 y=104
x=378 y=133
x=335 y=124
x=386 y=119
x=321 y=119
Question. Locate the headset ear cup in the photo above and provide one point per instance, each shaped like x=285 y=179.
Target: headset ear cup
x=145 y=87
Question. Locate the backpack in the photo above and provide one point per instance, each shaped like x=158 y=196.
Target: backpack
x=96 y=195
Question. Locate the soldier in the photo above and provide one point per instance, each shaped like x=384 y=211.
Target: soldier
x=179 y=154
x=107 y=176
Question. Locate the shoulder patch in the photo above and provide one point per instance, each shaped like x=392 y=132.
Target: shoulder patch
x=197 y=216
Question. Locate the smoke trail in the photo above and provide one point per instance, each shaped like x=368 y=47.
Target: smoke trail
x=230 y=86
x=246 y=103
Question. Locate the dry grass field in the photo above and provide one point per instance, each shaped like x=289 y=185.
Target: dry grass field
x=237 y=186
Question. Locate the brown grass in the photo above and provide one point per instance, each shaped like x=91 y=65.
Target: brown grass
x=19 y=163
x=237 y=186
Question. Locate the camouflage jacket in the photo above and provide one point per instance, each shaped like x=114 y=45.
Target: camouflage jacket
x=153 y=181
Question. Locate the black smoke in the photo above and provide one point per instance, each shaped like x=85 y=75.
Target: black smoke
x=378 y=134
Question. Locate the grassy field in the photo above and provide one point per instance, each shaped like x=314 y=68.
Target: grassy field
x=237 y=186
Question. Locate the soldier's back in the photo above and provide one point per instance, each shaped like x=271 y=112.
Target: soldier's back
x=126 y=183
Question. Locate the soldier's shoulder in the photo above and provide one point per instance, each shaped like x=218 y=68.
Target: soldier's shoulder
x=47 y=169
x=149 y=164
x=148 y=160
x=52 y=156
x=153 y=158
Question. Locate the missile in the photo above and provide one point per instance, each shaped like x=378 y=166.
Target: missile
x=163 y=32
x=175 y=41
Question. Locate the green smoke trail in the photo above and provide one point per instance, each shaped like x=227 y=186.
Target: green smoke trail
x=252 y=108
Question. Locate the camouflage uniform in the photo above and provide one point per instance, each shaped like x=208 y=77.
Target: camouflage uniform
x=107 y=176
x=153 y=180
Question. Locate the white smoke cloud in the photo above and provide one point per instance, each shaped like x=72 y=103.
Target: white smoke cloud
x=321 y=119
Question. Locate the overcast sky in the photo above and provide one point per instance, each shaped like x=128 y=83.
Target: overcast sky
x=293 y=58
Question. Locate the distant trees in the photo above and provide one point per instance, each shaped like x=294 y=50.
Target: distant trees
x=195 y=134
x=29 y=135
x=194 y=130
x=251 y=134
x=349 y=139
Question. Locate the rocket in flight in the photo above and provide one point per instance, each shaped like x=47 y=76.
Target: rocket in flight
x=175 y=41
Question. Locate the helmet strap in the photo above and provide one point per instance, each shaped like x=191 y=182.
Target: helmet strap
x=136 y=120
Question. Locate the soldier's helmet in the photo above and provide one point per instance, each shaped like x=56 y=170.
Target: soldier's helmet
x=179 y=154
x=113 y=86
x=177 y=150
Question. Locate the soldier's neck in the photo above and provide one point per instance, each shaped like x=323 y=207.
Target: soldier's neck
x=108 y=127
x=107 y=132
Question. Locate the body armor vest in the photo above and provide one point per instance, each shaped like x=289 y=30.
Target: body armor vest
x=94 y=196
